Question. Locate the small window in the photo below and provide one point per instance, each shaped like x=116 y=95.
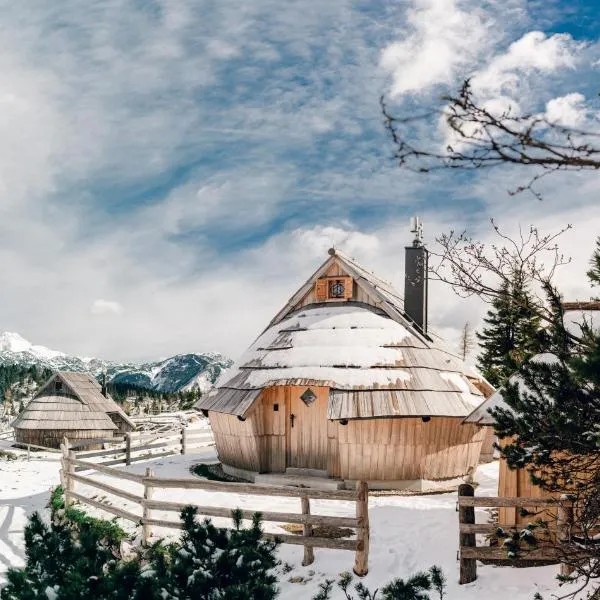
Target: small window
x=58 y=385
x=275 y=407
x=337 y=288
x=308 y=397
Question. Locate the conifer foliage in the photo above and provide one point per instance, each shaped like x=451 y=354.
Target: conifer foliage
x=511 y=334
x=553 y=417
x=79 y=557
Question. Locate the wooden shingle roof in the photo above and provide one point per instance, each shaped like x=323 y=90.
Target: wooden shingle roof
x=374 y=360
x=82 y=406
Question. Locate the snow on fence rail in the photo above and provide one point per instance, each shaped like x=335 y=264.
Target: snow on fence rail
x=149 y=482
x=125 y=449
x=469 y=552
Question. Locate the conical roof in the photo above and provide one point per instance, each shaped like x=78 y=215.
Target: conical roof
x=374 y=360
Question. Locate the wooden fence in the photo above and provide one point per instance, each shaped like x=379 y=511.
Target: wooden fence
x=145 y=505
x=126 y=449
x=470 y=552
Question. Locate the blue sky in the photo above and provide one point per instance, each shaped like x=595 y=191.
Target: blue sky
x=171 y=171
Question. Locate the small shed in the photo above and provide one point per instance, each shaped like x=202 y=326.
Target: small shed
x=516 y=483
x=70 y=404
x=347 y=382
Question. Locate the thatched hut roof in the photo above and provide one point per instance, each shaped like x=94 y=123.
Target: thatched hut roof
x=78 y=404
x=374 y=360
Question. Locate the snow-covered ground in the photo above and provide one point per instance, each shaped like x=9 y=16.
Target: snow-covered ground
x=407 y=533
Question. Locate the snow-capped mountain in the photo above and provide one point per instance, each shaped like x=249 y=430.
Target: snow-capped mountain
x=180 y=372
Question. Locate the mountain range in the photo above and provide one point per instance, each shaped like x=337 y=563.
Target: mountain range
x=181 y=372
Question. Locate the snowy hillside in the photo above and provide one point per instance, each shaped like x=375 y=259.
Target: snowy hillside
x=180 y=372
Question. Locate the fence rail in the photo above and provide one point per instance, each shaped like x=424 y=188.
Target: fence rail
x=469 y=552
x=145 y=504
x=125 y=449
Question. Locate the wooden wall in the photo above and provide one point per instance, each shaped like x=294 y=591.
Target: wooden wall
x=371 y=449
x=265 y=442
x=516 y=483
x=406 y=449
x=52 y=438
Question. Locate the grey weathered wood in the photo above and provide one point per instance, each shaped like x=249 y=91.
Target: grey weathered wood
x=183 y=439
x=107 y=470
x=146 y=511
x=314 y=542
x=107 y=488
x=252 y=489
x=154 y=446
x=69 y=482
x=493 y=501
x=307 y=531
x=466 y=515
x=83 y=443
x=128 y=449
x=97 y=453
x=361 y=560
x=275 y=517
x=486 y=528
x=119 y=512
x=484 y=553
x=564 y=525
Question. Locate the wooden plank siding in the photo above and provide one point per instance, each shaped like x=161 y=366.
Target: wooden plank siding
x=371 y=449
x=516 y=483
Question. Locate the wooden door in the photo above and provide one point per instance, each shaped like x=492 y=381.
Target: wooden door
x=307 y=428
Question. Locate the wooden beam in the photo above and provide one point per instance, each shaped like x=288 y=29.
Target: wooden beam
x=111 y=509
x=275 y=517
x=106 y=488
x=493 y=501
x=252 y=489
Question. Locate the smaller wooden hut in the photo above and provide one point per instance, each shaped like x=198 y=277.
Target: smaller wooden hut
x=69 y=404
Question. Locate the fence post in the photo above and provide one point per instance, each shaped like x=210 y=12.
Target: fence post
x=466 y=514
x=127 y=449
x=63 y=461
x=28 y=452
x=183 y=439
x=563 y=529
x=69 y=481
x=361 y=559
x=148 y=490
x=307 y=531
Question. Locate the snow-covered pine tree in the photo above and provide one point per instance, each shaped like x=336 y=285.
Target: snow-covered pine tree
x=512 y=332
x=553 y=419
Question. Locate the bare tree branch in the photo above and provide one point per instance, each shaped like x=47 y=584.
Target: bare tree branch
x=483 y=140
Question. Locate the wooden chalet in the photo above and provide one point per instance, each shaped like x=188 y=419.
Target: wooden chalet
x=72 y=405
x=347 y=382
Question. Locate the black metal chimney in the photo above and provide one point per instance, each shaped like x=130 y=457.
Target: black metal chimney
x=415 y=277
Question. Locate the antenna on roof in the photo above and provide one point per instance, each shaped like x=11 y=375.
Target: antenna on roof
x=416 y=227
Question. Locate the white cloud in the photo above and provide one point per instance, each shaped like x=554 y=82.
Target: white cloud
x=444 y=38
x=105 y=307
x=534 y=51
x=110 y=104
x=569 y=110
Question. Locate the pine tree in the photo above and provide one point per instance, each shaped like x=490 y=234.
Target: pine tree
x=552 y=417
x=512 y=333
x=77 y=557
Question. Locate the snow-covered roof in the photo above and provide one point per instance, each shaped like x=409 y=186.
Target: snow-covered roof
x=374 y=366
x=481 y=415
x=83 y=406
